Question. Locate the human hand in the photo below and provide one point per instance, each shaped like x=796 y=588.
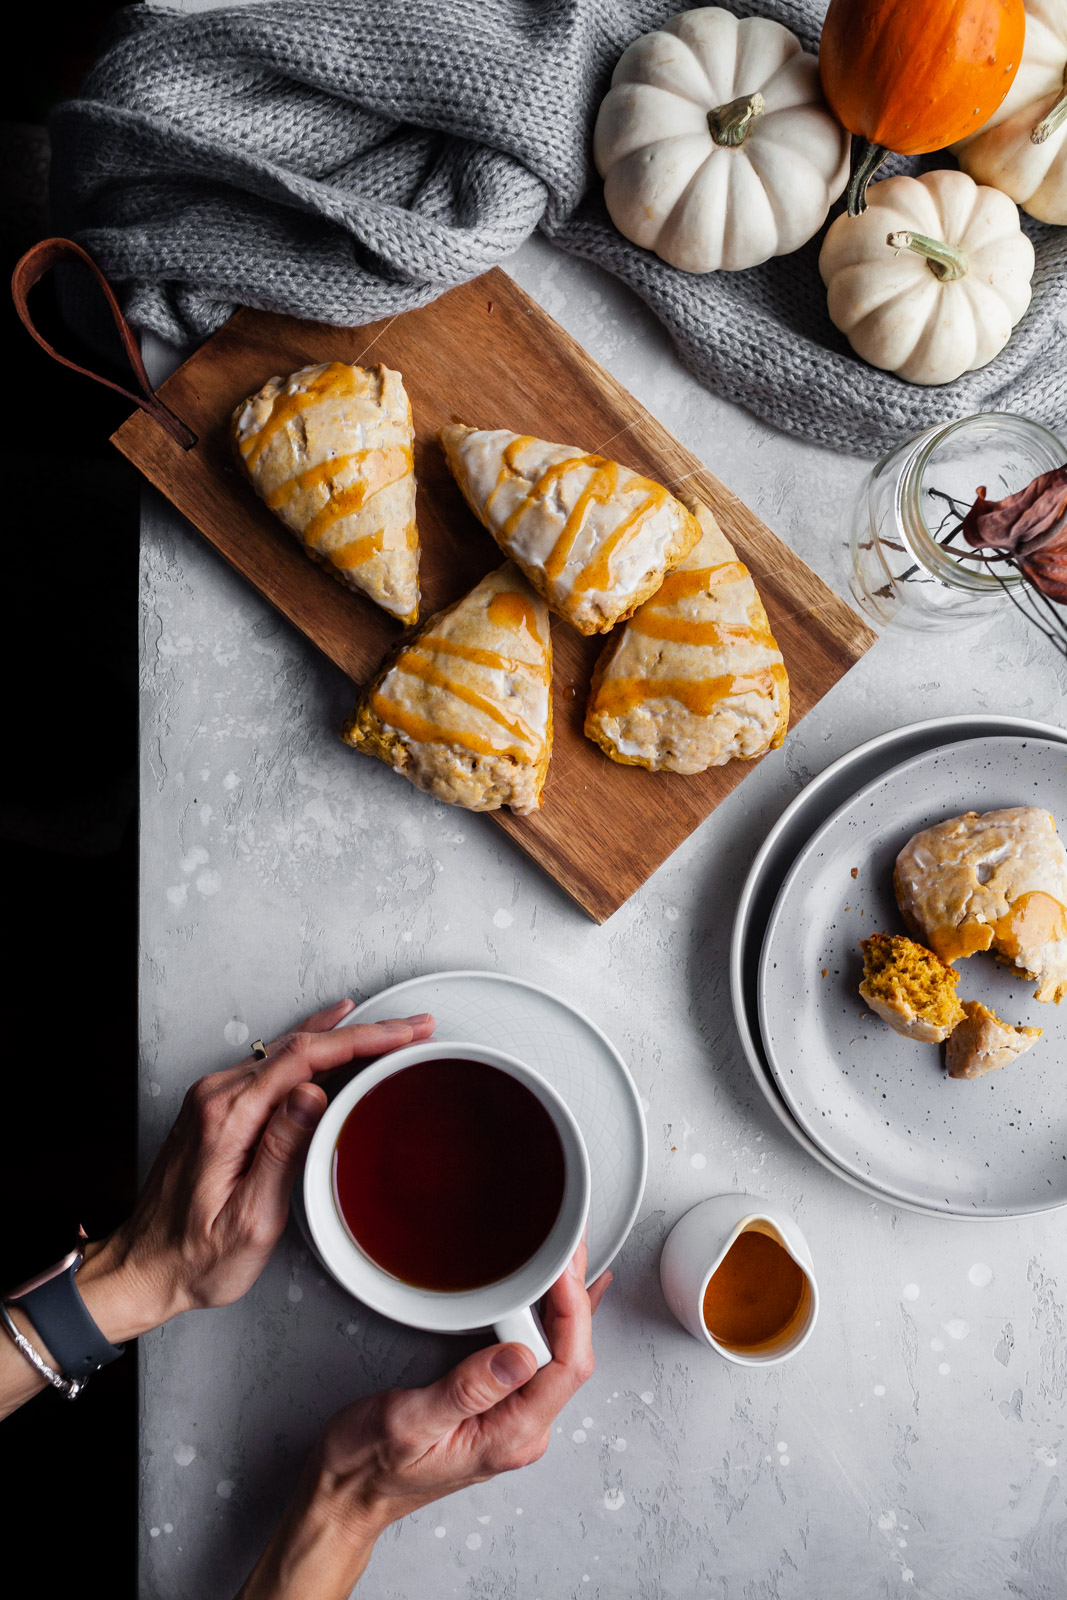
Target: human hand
x=217 y=1197
x=386 y=1455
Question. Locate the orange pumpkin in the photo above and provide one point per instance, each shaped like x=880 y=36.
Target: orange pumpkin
x=915 y=75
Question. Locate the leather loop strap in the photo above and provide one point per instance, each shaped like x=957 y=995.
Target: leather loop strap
x=41 y=258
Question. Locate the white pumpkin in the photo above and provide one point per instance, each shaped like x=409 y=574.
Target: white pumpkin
x=715 y=144
x=930 y=280
x=1022 y=149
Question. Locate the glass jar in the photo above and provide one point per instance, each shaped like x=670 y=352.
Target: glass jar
x=910 y=508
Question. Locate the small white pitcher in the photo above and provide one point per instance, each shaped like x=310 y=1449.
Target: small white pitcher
x=695 y=1249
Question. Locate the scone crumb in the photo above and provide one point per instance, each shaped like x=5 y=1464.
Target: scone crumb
x=910 y=988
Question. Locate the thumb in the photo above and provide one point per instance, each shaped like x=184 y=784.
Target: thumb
x=282 y=1147
x=475 y=1386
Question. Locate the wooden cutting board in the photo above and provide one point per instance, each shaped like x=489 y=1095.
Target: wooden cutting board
x=486 y=354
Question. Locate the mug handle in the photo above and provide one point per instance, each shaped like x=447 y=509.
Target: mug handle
x=524 y=1327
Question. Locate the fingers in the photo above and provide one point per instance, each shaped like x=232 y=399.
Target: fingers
x=298 y=1056
x=597 y=1290
x=424 y=1415
x=322 y=1021
x=567 y=1316
x=263 y=1194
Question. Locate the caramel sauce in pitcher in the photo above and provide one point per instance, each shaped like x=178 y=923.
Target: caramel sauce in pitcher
x=756 y=1294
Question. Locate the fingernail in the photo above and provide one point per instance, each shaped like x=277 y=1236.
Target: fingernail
x=511 y=1364
x=303 y=1109
x=573 y=1266
x=423 y=1016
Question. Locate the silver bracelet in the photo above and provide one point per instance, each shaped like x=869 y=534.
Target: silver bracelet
x=69 y=1388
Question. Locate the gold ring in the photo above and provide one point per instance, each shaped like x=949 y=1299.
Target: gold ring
x=259 y=1050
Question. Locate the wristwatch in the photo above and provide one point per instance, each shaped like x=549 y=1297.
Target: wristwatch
x=58 y=1313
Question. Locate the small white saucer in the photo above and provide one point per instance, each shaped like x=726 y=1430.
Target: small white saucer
x=579 y=1061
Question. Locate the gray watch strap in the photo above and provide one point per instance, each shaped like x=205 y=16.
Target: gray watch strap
x=58 y=1313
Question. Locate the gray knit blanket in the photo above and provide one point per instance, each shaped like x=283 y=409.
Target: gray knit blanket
x=342 y=160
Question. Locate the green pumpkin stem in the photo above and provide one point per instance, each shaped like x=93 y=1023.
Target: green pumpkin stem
x=732 y=123
x=947 y=262
x=1053 y=119
x=864 y=158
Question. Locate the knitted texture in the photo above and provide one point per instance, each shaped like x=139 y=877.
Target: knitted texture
x=342 y=160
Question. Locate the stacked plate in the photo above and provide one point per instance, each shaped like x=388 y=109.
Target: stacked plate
x=873 y=1108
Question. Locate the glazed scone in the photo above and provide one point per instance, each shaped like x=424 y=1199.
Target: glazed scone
x=594 y=538
x=996 y=881
x=464 y=710
x=695 y=677
x=982 y=1042
x=329 y=450
x=908 y=987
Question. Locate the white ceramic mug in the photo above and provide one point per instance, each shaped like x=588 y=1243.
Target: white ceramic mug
x=696 y=1248
x=507 y=1305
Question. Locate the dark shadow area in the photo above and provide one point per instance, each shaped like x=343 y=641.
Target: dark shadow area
x=68 y=842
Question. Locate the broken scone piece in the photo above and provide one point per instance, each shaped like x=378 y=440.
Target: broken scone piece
x=329 y=450
x=996 y=881
x=910 y=988
x=593 y=537
x=982 y=1042
x=695 y=677
x=464 y=709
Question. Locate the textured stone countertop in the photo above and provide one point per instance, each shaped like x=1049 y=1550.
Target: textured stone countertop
x=918 y=1445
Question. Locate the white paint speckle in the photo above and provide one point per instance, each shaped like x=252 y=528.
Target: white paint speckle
x=178 y=894
x=887 y=1520
x=902 y=1544
x=647 y=1396
x=518 y=1511
x=439 y=1532
x=153 y=1533
x=155 y=1089
x=646 y=1104
x=698 y=1161
x=351 y=1328
x=614 y=1500
x=1046 y=1456
x=579 y=1435
x=235 y=1032
x=484 y=1520
x=474 y=1541
x=910 y=1291
x=937 y=1344
x=957 y=1328
x=296 y=1294
x=196 y=857
x=906 y=1575
x=208 y=881
x=618 y=1444
x=502 y=918
x=781 y=1447
x=783 y=1461
x=671 y=913
x=944 y=1369
x=225 y=1488
x=168 y=1527
x=587 y=1422
x=230 y=782
x=879 y=1389
x=980 y=1275
x=183 y=1454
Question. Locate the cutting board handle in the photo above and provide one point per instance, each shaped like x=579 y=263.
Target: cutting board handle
x=41 y=258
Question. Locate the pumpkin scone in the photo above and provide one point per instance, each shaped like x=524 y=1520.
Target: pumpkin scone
x=910 y=988
x=593 y=537
x=982 y=1043
x=695 y=677
x=329 y=450
x=995 y=881
x=464 y=709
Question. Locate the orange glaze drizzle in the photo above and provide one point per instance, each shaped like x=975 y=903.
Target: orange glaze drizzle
x=510 y=610
x=602 y=486
x=683 y=585
x=482 y=658
x=687 y=630
x=334 y=381
x=378 y=468
x=416 y=664
x=1035 y=918
x=617 y=696
x=423 y=731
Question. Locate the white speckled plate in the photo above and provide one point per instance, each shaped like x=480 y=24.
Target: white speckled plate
x=554 y=1038
x=881 y=1106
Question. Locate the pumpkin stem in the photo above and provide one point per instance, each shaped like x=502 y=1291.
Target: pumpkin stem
x=864 y=158
x=732 y=123
x=1052 y=119
x=947 y=262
